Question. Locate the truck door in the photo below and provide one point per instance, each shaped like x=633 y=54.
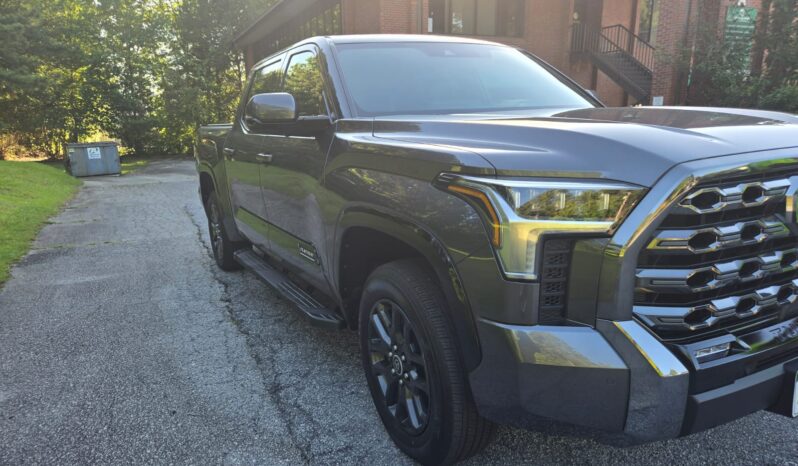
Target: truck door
x=244 y=156
x=291 y=183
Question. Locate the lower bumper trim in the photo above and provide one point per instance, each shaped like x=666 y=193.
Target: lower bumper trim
x=566 y=374
x=747 y=395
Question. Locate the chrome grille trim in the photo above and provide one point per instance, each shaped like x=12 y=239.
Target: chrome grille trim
x=735 y=196
x=704 y=265
x=622 y=255
x=722 y=237
x=719 y=275
x=704 y=316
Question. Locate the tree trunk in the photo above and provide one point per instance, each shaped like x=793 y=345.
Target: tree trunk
x=760 y=39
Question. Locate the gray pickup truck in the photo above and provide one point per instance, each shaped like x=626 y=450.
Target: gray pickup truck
x=510 y=250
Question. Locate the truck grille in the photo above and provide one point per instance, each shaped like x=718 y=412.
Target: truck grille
x=722 y=257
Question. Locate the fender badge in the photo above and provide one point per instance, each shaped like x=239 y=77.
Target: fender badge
x=308 y=253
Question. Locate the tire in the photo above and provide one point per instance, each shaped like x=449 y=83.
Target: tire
x=223 y=249
x=404 y=326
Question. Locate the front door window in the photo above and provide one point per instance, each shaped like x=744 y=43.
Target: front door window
x=303 y=80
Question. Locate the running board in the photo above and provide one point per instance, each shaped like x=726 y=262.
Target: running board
x=306 y=304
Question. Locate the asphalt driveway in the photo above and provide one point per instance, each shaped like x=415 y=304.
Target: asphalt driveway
x=121 y=342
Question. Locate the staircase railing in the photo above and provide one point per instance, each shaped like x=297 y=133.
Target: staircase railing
x=632 y=44
x=613 y=39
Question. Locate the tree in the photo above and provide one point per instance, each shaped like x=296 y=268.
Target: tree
x=25 y=42
x=147 y=72
x=136 y=35
x=728 y=73
x=54 y=76
x=780 y=39
x=204 y=75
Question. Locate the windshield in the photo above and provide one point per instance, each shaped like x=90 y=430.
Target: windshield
x=448 y=78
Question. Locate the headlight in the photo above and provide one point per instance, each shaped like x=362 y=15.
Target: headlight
x=519 y=212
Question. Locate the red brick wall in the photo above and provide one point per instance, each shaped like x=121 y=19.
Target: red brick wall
x=671 y=41
x=547 y=31
x=395 y=16
x=615 y=12
x=360 y=16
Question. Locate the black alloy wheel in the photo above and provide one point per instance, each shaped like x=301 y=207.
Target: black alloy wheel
x=223 y=249
x=215 y=230
x=413 y=366
x=397 y=362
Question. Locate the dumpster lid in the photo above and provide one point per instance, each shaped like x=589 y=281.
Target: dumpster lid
x=90 y=144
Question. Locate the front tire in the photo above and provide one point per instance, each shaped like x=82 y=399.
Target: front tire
x=413 y=367
x=223 y=248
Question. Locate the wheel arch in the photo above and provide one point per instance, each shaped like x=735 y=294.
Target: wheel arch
x=208 y=184
x=368 y=238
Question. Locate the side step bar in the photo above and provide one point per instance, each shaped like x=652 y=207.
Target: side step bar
x=306 y=304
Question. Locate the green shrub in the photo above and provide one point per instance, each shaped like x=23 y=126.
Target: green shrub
x=784 y=99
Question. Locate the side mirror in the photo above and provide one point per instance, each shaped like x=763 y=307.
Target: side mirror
x=273 y=108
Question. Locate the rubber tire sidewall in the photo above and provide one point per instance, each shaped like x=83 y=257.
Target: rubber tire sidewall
x=227 y=260
x=433 y=446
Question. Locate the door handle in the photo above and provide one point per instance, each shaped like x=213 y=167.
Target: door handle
x=264 y=158
x=229 y=151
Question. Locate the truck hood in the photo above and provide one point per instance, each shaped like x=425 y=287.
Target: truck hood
x=635 y=145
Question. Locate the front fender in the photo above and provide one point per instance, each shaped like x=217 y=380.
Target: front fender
x=434 y=252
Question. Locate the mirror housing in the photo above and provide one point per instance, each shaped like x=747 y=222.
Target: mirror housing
x=277 y=112
x=272 y=108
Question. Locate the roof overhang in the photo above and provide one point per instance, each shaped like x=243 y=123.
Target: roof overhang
x=271 y=21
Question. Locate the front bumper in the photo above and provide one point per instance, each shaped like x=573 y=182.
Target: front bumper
x=619 y=378
x=747 y=395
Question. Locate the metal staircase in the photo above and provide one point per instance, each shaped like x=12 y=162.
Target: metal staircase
x=620 y=54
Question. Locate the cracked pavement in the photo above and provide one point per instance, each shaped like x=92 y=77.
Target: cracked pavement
x=121 y=342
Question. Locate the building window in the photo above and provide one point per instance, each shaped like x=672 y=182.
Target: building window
x=648 y=20
x=478 y=17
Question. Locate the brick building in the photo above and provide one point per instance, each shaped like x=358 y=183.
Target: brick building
x=626 y=50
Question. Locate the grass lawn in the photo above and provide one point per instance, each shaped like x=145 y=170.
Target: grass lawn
x=30 y=193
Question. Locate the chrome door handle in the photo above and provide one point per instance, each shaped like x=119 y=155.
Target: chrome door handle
x=229 y=151
x=264 y=158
